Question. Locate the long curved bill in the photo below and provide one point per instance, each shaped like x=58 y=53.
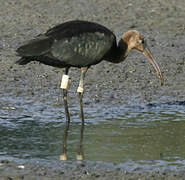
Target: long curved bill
x=148 y=54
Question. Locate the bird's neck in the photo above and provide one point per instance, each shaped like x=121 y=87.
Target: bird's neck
x=122 y=50
x=120 y=53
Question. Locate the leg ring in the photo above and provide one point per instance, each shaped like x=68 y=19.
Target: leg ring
x=65 y=82
x=80 y=90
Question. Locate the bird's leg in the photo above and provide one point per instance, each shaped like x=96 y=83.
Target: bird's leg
x=80 y=95
x=80 y=90
x=64 y=85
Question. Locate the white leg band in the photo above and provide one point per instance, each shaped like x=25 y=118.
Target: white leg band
x=65 y=81
x=80 y=90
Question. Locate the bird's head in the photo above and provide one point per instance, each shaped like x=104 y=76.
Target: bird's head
x=135 y=40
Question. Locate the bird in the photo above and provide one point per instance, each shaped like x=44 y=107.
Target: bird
x=81 y=44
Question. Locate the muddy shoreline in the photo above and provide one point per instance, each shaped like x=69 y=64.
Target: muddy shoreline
x=132 y=82
x=80 y=170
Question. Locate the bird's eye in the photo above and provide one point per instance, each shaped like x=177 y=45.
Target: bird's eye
x=143 y=41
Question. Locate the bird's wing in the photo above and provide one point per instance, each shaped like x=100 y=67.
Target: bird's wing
x=83 y=50
x=36 y=47
x=74 y=43
x=75 y=28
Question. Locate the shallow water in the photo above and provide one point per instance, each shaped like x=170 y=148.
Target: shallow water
x=145 y=136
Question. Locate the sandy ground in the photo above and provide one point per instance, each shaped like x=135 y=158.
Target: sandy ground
x=133 y=81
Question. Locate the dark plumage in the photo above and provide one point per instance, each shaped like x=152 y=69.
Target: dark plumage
x=74 y=43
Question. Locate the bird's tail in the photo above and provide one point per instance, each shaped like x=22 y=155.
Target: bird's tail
x=23 y=61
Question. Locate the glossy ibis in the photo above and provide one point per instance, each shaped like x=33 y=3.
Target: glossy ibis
x=82 y=44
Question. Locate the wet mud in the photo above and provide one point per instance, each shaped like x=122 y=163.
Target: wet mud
x=79 y=170
x=132 y=82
